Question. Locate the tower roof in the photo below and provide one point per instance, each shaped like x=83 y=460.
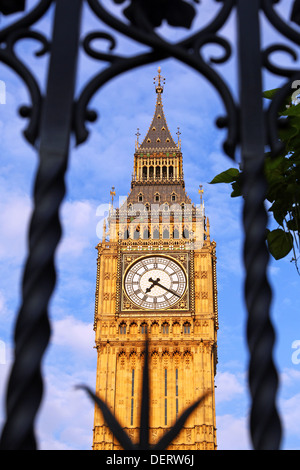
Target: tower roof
x=158 y=137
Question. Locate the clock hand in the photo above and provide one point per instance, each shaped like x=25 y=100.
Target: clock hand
x=169 y=290
x=156 y=283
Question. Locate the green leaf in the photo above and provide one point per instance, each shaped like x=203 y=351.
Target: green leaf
x=278 y=213
x=269 y=94
x=236 y=189
x=272 y=163
x=227 y=176
x=280 y=243
x=292 y=111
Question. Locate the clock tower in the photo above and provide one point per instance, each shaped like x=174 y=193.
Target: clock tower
x=156 y=275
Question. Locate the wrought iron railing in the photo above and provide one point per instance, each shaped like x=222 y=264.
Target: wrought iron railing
x=52 y=119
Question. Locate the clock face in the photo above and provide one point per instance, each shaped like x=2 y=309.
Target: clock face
x=155 y=282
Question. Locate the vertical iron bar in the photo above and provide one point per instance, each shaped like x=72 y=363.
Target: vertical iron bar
x=32 y=331
x=265 y=424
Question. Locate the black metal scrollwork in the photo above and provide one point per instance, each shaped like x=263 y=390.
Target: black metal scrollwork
x=290 y=33
x=9 y=36
x=54 y=116
x=187 y=51
x=151 y=13
x=7 y=7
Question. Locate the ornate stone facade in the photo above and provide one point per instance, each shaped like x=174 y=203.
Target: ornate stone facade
x=159 y=226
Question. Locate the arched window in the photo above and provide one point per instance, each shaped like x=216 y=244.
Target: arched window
x=165 y=328
x=156 y=234
x=166 y=233
x=151 y=172
x=187 y=328
x=175 y=233
x=144 y=172
x=170 y=172
x=164 y=171
x=144 y=328
x=122 y=329
x=157 y=172
x=146 y=234
x=185 y=233
x=156 y=197
x=140 y=197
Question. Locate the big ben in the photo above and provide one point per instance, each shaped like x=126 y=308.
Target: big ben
x=156 y=278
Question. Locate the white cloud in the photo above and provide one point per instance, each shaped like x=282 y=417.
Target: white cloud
x=229 y=386
x=2 y=304
x=79 y=227
x=15 y=210
x=74 y=335
x=290 y=414
x=66 y=417
x=232 y=433
x=290 y=377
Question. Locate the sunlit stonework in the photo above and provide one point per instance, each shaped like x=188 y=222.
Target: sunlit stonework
x=156 y=275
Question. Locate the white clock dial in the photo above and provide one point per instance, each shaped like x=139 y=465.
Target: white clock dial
x=155 y=282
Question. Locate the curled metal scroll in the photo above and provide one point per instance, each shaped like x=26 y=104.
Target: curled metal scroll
x=8 y=56
x=187 y=51
x=287 y=31
x=9 y=36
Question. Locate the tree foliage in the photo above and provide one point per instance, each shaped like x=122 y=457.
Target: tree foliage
x=283 y=184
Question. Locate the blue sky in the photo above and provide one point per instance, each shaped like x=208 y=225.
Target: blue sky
x=65 y=420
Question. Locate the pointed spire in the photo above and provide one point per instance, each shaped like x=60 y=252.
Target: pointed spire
x=158 y=137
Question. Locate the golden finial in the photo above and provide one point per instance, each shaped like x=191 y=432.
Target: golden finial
x=160 y=82
x=178 y=133
x=112 y=193
x=137 y=138
x=201 y=191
